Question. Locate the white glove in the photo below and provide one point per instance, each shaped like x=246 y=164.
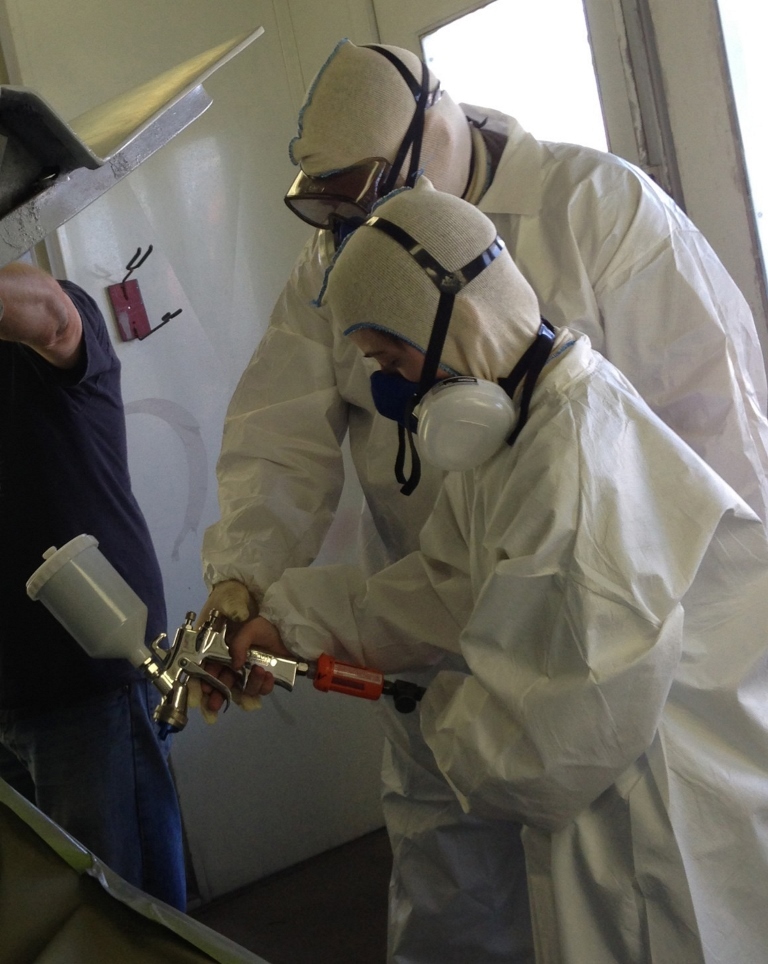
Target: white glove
x=233 y=600
x=195 y=698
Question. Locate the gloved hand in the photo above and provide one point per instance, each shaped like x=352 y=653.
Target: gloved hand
x=196 y=697
x=234 y=601
x=258 y=633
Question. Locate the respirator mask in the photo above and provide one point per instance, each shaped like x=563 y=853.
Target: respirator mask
x=341 y=201
x=462 y=421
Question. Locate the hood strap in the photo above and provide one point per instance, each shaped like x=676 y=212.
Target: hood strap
x=528 y=370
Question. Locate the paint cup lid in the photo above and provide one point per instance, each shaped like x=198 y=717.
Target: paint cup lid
x=56 y=559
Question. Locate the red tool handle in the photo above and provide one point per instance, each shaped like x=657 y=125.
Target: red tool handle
x=343 y=678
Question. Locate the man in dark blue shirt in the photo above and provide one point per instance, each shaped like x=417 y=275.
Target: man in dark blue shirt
x=76 y=734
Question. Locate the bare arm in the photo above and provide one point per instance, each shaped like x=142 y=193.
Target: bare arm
x=38 y=313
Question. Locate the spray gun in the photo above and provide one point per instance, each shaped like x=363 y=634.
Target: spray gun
x=78 y=585
x=171 y=670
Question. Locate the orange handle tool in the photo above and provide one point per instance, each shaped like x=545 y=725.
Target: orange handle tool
x=343 y=678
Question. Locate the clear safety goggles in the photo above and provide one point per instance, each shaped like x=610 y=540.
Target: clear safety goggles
x=344 y=195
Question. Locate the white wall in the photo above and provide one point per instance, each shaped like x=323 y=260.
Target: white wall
x=259 y=791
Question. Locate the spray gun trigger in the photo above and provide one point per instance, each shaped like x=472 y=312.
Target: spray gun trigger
x=192 y=669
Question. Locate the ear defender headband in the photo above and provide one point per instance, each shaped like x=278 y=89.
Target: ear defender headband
x=493 y=400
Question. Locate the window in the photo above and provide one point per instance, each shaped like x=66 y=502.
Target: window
x=530 y=60
x=745 y=29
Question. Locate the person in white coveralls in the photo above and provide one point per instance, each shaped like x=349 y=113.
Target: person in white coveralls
x=608 y=591
x=608 y=254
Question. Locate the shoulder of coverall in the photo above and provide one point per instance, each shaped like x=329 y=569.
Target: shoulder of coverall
x=580 y=163
x=516 y=185
x=542 y=466
x=616 y=183
x=310 y=266
x=294 y=311
x=614 y=210
x=532 y=171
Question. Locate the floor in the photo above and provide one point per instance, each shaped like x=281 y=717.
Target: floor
x=331 y=909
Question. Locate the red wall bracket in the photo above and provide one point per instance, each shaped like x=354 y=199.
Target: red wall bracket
x=128 y=305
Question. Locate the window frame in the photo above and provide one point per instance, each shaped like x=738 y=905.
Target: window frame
x=661 y=67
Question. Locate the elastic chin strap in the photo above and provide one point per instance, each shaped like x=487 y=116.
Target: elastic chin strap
x=449 y=284
x=528 y=370
x=428 y=376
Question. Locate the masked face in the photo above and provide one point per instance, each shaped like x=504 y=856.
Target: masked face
x=397 y=383
x=402 y=358
x=395 y=356
x=340 y=200
x=341 y=228
x=347 y=195
x=393 y=397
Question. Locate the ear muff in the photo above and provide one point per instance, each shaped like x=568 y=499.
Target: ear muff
x=463 y=421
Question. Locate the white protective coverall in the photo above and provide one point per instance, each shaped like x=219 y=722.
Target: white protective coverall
x=613 y=594
x=606 y=252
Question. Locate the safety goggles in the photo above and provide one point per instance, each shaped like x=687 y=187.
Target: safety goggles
x=344 y=195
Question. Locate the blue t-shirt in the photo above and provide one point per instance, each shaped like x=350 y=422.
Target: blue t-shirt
x=63 y=472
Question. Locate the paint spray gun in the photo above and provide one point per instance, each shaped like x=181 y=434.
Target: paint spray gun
x=87 y=595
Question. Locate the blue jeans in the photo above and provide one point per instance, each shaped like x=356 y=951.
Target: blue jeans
x=98 y=770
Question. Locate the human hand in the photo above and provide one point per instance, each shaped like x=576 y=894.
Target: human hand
x=36 y=311
x=256 y=633
x=232 y=599
x=236 y=603
x=196 y=697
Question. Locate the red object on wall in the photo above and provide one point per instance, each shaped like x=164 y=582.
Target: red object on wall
x=131 y=315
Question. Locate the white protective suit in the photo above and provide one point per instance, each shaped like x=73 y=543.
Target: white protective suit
x=614 y=597
x=606 y=252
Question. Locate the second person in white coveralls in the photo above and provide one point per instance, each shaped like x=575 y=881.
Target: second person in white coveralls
x=606 y=253
x=608 y=591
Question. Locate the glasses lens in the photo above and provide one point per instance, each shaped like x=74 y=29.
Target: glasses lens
x=315 y=211
x=345 y=194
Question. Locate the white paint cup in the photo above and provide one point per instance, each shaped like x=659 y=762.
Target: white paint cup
x=91 y=600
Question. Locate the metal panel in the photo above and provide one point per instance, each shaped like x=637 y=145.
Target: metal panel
x=35 y=219
x=51 y=169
